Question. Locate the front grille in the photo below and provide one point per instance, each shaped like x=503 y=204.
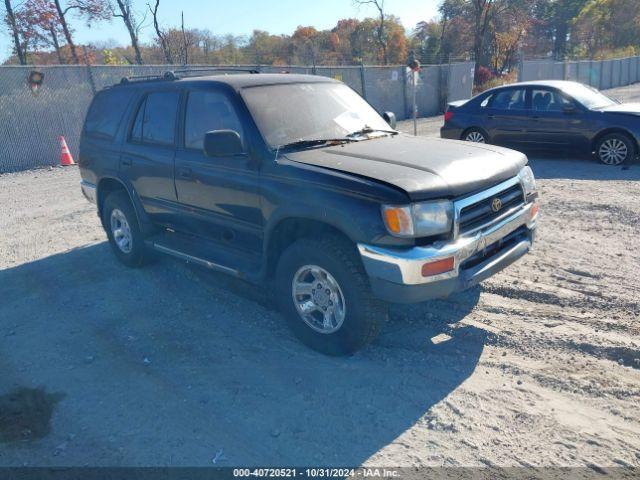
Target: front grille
x=479 y=214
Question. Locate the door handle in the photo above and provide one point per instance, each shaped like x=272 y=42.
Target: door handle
x=185 y=173
x=126 y=162
x=491 y=117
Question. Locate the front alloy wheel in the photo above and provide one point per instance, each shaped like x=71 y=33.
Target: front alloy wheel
x=324 y=293
x=613 y=150
x=318 y=299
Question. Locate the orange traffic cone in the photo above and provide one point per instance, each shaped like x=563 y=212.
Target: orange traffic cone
x=65 y=156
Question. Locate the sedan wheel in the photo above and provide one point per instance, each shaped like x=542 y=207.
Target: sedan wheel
x=475 y=136
x=613 y=151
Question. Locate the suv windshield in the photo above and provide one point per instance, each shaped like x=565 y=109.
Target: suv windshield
x=289 y=113
x=587 y=96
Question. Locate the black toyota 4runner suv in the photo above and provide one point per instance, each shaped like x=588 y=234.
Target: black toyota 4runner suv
x=296 y=182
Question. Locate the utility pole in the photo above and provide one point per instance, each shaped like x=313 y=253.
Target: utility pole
x=184 y=41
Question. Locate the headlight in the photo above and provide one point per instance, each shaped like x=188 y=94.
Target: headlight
x=528 y=180
x=419 y=219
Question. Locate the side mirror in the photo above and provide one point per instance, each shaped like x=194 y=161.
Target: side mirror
x=223 y=143
x=569 y=109
x=390 y=118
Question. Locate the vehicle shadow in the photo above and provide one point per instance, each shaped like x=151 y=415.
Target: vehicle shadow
x=554 y=165
x=169 y=365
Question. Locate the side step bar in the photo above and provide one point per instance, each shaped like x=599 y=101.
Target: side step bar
x=191 y=259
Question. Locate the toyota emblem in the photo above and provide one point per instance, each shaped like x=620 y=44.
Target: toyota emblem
x=496 y=204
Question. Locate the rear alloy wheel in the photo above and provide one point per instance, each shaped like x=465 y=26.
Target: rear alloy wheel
x=123 y=231
x=475 y=136
x=615 y=149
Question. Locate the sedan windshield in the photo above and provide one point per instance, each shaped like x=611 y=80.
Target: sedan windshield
x=587 y=96
x=310 y=112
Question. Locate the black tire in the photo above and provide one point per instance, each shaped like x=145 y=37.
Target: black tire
x=363 y=313
x=137 y=254
x=475 y=133
x=615 y=149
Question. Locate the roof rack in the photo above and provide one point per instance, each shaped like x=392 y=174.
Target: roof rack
x=183 y=72
x=148 y=78
x=187 y=71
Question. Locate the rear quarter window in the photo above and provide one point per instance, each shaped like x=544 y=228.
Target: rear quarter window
x=106 y=112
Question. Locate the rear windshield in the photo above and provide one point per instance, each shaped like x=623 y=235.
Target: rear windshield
x=106 y=111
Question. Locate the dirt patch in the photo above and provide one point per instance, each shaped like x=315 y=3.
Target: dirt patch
x=25 y=414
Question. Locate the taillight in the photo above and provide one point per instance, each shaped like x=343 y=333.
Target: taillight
x=448 y=115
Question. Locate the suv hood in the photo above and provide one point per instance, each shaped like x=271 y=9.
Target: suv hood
x=631 y=108
x=425 y=168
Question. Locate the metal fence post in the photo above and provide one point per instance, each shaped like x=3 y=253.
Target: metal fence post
x=601 y=81
x=92 y=82
x=362 y=81
x=443 y=86
x=521 y=69
x=403 y=71
x=620 y=77
x=611 y=62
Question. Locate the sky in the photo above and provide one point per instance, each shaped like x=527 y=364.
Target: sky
x=241 y=17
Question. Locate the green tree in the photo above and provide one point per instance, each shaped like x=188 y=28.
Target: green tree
x=604 y=26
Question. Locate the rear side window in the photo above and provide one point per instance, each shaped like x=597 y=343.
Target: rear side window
x=512 y=99
x=106 y=111
x=155 y=120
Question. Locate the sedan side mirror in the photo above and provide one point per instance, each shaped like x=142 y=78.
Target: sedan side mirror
x=390 y=118
x=223 y=143
x=569 y=109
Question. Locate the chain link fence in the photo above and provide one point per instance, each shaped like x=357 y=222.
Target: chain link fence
x=601 y=74
x=31 y=121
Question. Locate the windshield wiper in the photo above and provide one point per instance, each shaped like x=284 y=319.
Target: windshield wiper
x=308 y=143
x=367 y=129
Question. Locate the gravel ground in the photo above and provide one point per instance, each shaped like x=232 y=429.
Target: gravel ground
x=172 y=365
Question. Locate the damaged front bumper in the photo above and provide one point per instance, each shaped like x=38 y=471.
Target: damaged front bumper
x=397 y=275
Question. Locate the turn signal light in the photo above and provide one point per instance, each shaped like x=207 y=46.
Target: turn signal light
x=438 y=267
x=398 y=220
x=534 y=210
x=448 y=115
